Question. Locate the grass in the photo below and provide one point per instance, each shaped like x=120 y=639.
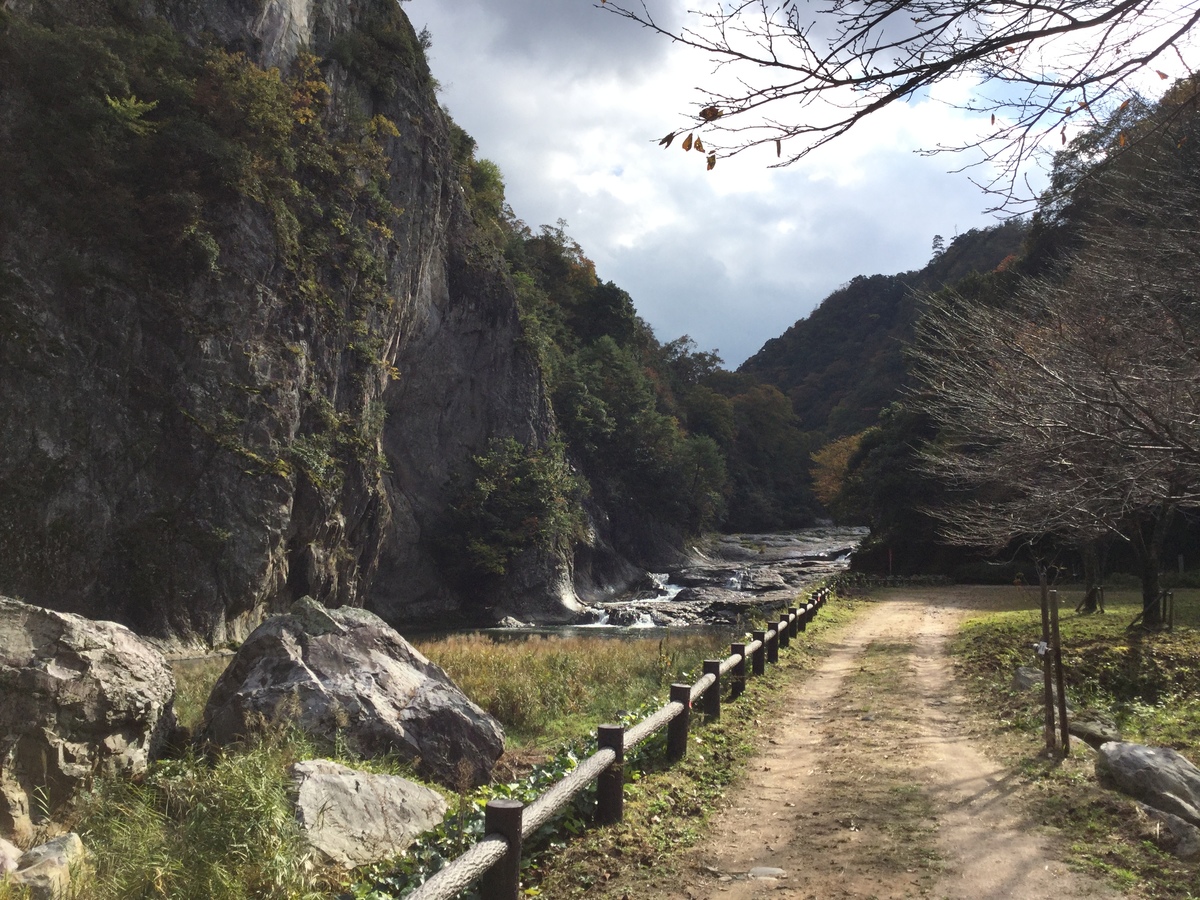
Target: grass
x=10 y=891
x=667 y=808
x=221 y=826
x=1147 y=682
x=546 y=690
x=194 y=681
x=196 y=828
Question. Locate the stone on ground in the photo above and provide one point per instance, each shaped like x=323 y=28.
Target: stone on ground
x=355 y=818
x=345 y=675
x=1158 y=776
x=1093 y=729
x=9 y=854
x=77 y=699
x=47 y=870
x=1172 y=833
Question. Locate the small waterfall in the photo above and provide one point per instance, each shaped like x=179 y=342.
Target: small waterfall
x=644 y=620
x=661 y=581
x=737 y=580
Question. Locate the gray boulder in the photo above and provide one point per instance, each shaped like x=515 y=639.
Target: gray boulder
x=1172 y=833
x=1157 y=776
x=1094 y=729
x=354 y=818
x=1026 y=678
x=77 y=698
x=9 y=854
x=344 y=674
x=47 y=871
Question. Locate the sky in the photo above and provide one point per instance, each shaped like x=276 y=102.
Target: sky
x=570 y=102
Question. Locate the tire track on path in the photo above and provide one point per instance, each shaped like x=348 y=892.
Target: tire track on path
x=870 y=785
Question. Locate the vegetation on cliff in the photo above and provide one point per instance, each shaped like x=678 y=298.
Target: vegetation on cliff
x=195 y=273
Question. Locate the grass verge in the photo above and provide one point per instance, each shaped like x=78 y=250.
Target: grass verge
x=1147 y=683
x=546 y=690
x=197 y=828
x=221 y=827
x=666 y=808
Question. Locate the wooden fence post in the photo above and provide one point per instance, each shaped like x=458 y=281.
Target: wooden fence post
x=503 y=880
x=758 y=661
x=793 y=621
x=712 y=697
x=1047 y=667
x=738 y=687
x=785 y=633
x=773 y=645
x=677 y=728
x=1056 y=649
x=610 y=786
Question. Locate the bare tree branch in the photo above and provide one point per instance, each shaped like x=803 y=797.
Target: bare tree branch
x=1039 y=66
x=1072 y=409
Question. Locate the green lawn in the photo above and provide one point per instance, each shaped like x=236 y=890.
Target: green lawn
x=1148 y=683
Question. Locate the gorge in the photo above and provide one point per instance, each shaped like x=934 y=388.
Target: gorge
x=250 y=328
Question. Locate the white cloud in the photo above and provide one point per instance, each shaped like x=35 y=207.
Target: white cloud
x=570 y=101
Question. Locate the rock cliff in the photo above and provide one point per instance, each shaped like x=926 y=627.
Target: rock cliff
x=247 y=329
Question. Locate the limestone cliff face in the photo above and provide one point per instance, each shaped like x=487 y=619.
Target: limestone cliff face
x=185 y=451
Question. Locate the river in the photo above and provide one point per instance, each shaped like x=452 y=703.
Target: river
x=725 y=579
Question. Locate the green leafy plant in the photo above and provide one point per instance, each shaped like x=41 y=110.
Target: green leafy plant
x=515 y=497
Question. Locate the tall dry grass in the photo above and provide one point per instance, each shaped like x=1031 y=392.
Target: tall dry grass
x=545 y=689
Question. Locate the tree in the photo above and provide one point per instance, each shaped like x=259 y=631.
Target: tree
x=1074 y=413
x=1071 y=411
x=830 y=465
x=515 y=498
x=802 y=79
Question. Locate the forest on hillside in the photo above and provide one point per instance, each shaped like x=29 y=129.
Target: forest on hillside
x=1051 y=417
x=844 y=414
x=660 y=430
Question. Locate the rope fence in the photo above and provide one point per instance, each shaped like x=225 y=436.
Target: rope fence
x=495 y=861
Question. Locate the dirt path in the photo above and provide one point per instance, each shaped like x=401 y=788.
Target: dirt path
x=871 y=787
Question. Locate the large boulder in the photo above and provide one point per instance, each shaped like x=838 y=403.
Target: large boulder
x=1094 y=729
x=77 y=698
x=52 y=871
x=1171 y=833
x=1158 y=776
x=354 y=818
x=345 y=675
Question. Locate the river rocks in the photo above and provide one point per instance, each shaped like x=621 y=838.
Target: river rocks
x=47 y=870
x=354 y=818
x=77 y=698
x=1158 y=776
x=734 y=577
x=344 y=674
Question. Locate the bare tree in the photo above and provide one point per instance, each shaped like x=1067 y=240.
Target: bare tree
x=802 y=74
x=1072 y=411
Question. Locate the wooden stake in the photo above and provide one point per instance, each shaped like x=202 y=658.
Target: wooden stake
x=1060 y=678
x=1047 y=673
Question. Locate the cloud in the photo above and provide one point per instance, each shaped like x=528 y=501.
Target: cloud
x=569 y=101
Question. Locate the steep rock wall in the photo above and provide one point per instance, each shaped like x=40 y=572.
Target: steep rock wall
x=188 y=445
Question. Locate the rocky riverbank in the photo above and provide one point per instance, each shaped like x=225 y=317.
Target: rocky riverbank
x=730 y=577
